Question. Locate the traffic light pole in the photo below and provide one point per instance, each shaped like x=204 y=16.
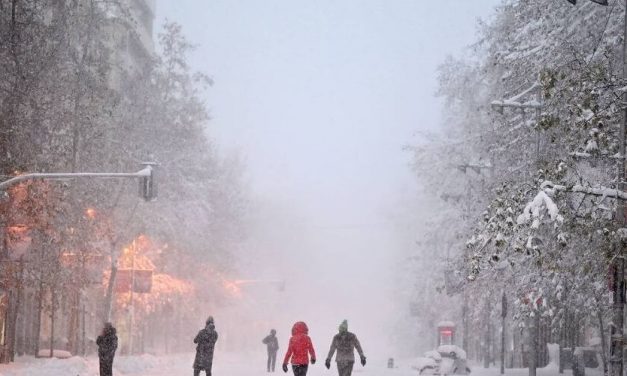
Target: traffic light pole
x=145 y=175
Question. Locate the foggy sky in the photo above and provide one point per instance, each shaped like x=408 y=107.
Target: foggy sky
x=320 y=97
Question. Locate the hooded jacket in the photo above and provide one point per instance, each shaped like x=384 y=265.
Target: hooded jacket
x=300 y=346
x=206 y=340
x=107 y=343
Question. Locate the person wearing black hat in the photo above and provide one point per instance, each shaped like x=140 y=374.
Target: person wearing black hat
x=206 y=341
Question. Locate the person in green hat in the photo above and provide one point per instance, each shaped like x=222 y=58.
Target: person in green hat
x=345 y=344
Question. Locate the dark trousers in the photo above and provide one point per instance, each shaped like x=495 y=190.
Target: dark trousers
x=271 y=360
x=300 y=369
x=106 y=367
x=345 y=368
x=197 y=371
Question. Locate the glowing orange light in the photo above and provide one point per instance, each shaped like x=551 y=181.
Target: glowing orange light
x=232 y=288
x=90 y=213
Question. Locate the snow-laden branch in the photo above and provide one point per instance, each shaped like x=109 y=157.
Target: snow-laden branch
x=551 y=189
x=534 y=210
x=516 y=102
x=517 y=97
x=507 y=103
x=583 y=155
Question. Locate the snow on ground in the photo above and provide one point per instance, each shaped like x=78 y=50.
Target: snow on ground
x=170 y=365
x=224 y=365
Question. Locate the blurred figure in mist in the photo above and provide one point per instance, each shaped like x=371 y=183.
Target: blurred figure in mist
x=272 y=343
x=107 y=343
x=299 y=349
x=345 y=344
x=206 y=342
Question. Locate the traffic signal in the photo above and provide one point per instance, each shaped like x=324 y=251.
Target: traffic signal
x=148 y=185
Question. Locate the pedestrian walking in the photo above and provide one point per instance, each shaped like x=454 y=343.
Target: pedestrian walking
x=107 y=343
x=299 y=350
x=206 y=341
x=272 y=344
x=345 y=344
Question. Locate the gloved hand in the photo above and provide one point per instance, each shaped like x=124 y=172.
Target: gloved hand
x=363 y=360
x=327 y=363
x=313 y=360
x=284 y=367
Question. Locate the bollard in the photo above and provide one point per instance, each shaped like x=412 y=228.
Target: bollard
x=391 y=363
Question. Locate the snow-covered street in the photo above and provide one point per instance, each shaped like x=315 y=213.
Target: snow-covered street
x=225 y=365
x=149 y=365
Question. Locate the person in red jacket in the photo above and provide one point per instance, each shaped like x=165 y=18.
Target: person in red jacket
x=299 y=349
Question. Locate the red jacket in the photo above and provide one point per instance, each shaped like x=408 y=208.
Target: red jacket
x=300 y=346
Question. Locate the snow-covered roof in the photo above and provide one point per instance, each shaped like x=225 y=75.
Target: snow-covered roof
x=446 y=324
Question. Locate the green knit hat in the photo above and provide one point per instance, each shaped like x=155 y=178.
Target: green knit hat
x=344 y=326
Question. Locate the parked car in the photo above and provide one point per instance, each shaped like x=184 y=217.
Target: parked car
x=453 y=361
x=446 y=360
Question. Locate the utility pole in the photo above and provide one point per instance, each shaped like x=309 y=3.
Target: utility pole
x=132 y=302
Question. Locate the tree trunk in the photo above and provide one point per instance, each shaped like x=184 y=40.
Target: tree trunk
x=533 y=343
x=74 y=322
x=40 y=306
x=603 y=342
x=52 y=297
x=109 y=296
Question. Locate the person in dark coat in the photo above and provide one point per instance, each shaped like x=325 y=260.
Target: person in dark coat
x=206 y=341
x=107 y=344
x=345 y=343
x=272 y=343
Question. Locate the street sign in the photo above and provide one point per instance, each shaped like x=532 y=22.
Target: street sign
x=142 y=280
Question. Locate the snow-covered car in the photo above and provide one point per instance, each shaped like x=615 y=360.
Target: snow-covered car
x=428 y=364
x=453 y=361
x=446 y=360
x=425 y=366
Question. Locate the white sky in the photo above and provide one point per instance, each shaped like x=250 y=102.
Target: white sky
x=320 y=97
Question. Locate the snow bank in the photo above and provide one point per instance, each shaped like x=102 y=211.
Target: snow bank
x=61 y=354
x=135 y=364
x=123 y=365
x=27 y=366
